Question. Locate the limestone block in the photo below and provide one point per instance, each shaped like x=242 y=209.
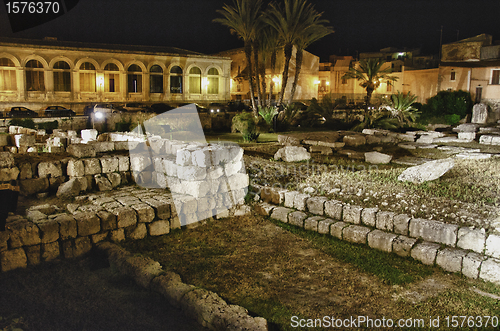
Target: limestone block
x=117 y=235
x=352 y=214
x=125 y=217
x=109 y=164
x=34 y=185
x=238 y=181
x=425 y=252
x=238 y=196
x=490 y=271
x=67 y=226
x=402 y=245
x=325 y=150
x=196 y=189
x=450 y=259
x=281 y=214
x=145 y=213
x=139 y=162
x=25 y=171
x=103 y=146
x=170 y=286
x=473 y=240
x=311 y=223
x=381 y=240
x=69 y=189
x=336 y=229
x=354 y=140
x=138 y=232
x=92 y=166
x=202 y=157
x=316 y=205
x=50 y=169
x=471 y=264
x=356 y=234
x=159 y=228
x=385 y=220
x=278 y=196
x=290 y=198
x=368 y=216
x=123 y=163
x=13 y=259
x=191 y=173
x=8 y=174
x=80 y=246
x=335 y=145
x=87 y=223
x=324 y=226
x=33 y=253
x=81 y=150
x=4 y=237
x=377 y=158
x=493 y=246
x=35 y=215
x=292 y=154
x=264 y=208
x=96 y=238
x=50 y=251
x=434 y=231
x=24 y=140
x=299 y=201
x=426 y=172
x=468 y=136
x=103 y=183
x=183 y=157
x=114 y=178
x=89 y=134
x=162 y=208
x=212 y=172
x=108 y=220
x=288 y=140
x=401 y=224
x=75 y=168
x=333 y=209
x=23 y=233
x=49 y=230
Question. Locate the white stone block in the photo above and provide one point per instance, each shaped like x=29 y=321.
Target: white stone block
x=493 y=246
x=473 y=240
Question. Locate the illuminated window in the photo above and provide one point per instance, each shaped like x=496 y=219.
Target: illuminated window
x=62 y=77
x=389 y=86
x=35 y=76
x=195 y=80
x=134 y=79
x=176 y=79
x=111 y=78
x=156 y=79
x=213 y=81
x=87 y=77
x=453 y=75
x=7 y=75
x=495 y=77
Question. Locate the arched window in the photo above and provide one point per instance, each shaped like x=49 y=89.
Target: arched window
x=62 y=77
x=195 y=80
x=8 y=80
x=176 y=79
x=213 y=81
x=134 y=79
x=35 y=76
x=87 y=77
x=111 y=78
x=156 y=79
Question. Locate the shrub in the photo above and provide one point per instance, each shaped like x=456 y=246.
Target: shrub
x=48 y=126
x=245 y=123
x=25 y=123
x=123 y=126
x=268 y=114
x=449 y=103
x=287 y=117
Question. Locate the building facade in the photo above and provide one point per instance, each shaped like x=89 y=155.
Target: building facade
x=37 y=73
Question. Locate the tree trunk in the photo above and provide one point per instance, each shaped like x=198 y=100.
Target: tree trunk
x=284 y=79
x=263 y=82
x=369 y=92
x=271 y=83
x=248 y=54
x=257 y=79
x=298 y=66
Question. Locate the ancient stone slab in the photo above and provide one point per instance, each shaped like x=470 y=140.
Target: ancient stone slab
x=311 y=223
x=67 y=226
x=336 y=229
x=297 y=218
x=385 y=220
x=354 y=140
x=125 y=217
x=402 y=245
x=69 y=189
x=123 y=163
x=325 y=150
x=264 y=208
x=81 y=150
x=6 y=160
x=381 y=240
x=493 y=246
x=288 y=140
x=333 y=209
x=401 y=224
x=13 y=259
x=356 y=234
x=281 y=214
x=87 y=223
x=470 y=239
x=467 y=136
x=368 y=216
x=450 y=259
x=479 y=113
x=109 y=164
x=490 y=271
x=471 y=264
x=300 y=200
x=316 y=205
x=103 y=183
x=377 y=158
x=427 y=171
x=92 y=166
x=292 y=154
x=434 y=231
x=75 y=168
x=50 y=169
x=290 y=198
x=145 y=213
x=49 y=230
x=425 y=252
x=324 y=225
x=23 y=233
x=50 y=251
x=138 y=232
x=108 y=220
x=352 y=214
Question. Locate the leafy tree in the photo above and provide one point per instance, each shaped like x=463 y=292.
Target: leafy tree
x=244 y=19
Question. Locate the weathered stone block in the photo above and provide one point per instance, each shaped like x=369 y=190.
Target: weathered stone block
x=425 y=252
x=13 y=259
x=33 y=254
x=434 y=231
x=264 y=208
x=368 y=216
x=490 y=271
x=299 y=202
x=75 y=168
x=123 y=163
x=92 y=166
x=87 y=223
x=354 y=140
x=108 y=220
x=8 y=174
x=50 y=169
x=352 y=214
x=381 y=240
x=324 y=226
x=316 y=205
x=49 y=230
x=450 y=259
x=81 y=150
x=136 y=233
x=336 y=229
x=117 y=235
x=311 y=223
x=474 y=240
x=493 y=246
x=281 y=214
x=145 y=213
x=356 y=234
x=6 y=160
x=125 y=217
x=67 y=226
x=297 y=218
x=23 y=233
x=159 y=228
x=401 y=224
x=290 y=198
x=103 y=183
x=471 y=264
x=402 y=245
x=385 y=221
x=109 y=164
x=50 y=251
x=333 y=209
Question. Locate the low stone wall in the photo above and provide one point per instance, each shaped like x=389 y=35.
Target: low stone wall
x=471 y=252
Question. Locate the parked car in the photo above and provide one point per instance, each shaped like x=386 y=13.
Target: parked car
x=199 y=108
x=159 y=108
x=237 y=106
x=103 y=108
x=21 y=112
x=217 y=107
x=58 y=111
x=136 y=107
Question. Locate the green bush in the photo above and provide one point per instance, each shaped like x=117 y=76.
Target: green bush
x=452 y=119
x=449 y=103
x=246 y=123
x=48 y=126
x=24 y=122
x=268 y=114
x=123 y=126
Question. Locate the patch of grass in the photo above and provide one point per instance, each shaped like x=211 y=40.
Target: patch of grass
x=390 y=268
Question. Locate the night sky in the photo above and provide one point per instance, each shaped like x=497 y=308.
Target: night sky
x=360 y=25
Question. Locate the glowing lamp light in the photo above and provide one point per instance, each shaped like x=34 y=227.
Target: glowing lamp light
x=99 y=115
x=327 y=83
x=276 y=80
x=317 y=82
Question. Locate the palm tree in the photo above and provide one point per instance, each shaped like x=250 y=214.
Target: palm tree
x=269 y=47
x=370 y=74
x=313 y=32
x=288 y=22
x=244 y=19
